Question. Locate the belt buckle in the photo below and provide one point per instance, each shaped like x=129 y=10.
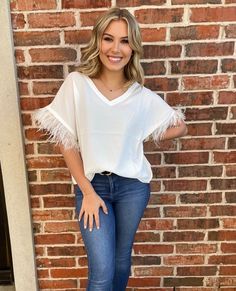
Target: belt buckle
x=109 y=173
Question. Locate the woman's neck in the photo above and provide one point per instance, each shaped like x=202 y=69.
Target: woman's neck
x=112 y=79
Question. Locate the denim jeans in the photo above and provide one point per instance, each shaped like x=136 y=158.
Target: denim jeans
x=109 y=247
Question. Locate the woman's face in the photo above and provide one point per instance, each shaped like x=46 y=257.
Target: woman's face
x=115 y=51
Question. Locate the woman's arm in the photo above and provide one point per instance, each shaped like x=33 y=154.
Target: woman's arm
x=75 y=165
x=173 y=132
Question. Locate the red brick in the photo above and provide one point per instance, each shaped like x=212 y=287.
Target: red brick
x=154 y=68
x=44 y=215
x=225 y=270
x=68 y=273
x=163 y=172
x=197 y=32
x=77 y=36
x=228 y=247
x=186 y=158
x=153 y=249
x=31 y=38
x=45 y=162
x=196 y=129
x=203 y=198
x=184 y=260
x=159 y=15
x=42 y=88
x=197 y=271
x=185 y=185
x=53 y=55
x=123 y=3
x=223 y=184
x=147 y=236
x=233 y=113
x=227 y=97
x=197 y=223
x=189 y=99
x=18 y=20
x=188 y=281
x=222 y=235
x=35 y=203
x=44 y=189
x=55 y=175
x=228 y=65
x=48 y=239
x=153 y=271
x=89 y=18
x=200 y=171
x=230 y=170
x=214 y=14
x=163 y=224
x=230 y=31
x=230 y=197
x=67 y=4
x=23 y=88
x=166 y=199
x=41 y=72
x=194 y=67
x=161 y=51
x=42 y=274
x=69 y=251
x=183 y=2
x=223 y=210
x=214 y=82
x=51 y=20
x=33 y=5
x=57 y=284
x=162 y=84
x=54 y=201
x=148 y=281
x=199 y=248
x=56 y=227
x=210 y=49
x=225 y=128
x=224 y=157
x=153 y=34
x=202 y=143
x=184 y=211
x=19 y=55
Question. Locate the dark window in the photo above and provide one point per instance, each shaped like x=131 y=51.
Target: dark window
x=6 y=268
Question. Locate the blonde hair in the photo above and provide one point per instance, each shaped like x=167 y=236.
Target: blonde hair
x=90 y=62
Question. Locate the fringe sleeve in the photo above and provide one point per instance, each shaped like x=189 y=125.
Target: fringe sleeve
x=172 y=121
x=58 y=118
x=57 y=130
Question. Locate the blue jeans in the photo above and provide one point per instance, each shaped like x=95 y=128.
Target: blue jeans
x=109 y=247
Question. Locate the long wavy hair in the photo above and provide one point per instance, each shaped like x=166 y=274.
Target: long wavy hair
x=90 y=63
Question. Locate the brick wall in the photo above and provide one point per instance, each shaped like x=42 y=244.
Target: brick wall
x=187 y=237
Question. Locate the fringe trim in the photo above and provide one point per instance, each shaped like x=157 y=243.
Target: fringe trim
x=58 y=133
x=158 y=133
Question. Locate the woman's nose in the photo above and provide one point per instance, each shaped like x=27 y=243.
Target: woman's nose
x=116 y=46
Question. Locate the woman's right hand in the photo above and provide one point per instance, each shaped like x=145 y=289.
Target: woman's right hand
x=90 y=207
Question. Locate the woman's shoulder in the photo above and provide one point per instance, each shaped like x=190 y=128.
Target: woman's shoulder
x=74 y=75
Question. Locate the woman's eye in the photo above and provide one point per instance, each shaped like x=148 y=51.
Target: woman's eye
x=125 y=41
x=107 y=38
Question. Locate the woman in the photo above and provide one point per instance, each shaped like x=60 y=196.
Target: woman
x=100 y=117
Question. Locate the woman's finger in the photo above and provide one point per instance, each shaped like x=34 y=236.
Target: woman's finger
x=85 y=219
x=96 y=217
x=90 y=221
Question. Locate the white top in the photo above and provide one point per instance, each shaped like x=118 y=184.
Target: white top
x=109 y=134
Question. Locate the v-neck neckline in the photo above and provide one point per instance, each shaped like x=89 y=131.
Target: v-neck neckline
x=104 y=98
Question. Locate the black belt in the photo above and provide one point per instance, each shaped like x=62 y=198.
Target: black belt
x=105 y=173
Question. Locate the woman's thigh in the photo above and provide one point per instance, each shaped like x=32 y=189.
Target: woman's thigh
x=99 y=243
x=131 y=200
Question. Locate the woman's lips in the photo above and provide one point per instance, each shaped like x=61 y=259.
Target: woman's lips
x=114 y=59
